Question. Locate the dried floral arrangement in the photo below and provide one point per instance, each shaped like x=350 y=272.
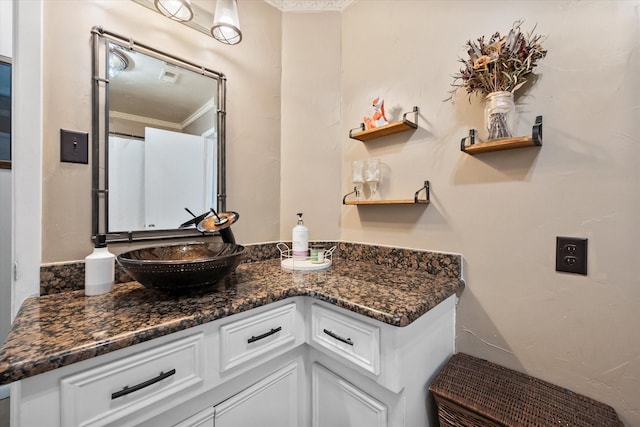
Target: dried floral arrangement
x=501 y=64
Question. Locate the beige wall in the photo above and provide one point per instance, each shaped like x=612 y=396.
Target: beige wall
x=253 y=112
x=311 y=137
x=503 y=211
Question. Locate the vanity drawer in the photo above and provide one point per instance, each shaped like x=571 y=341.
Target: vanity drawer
x=257 y=335
x=347 y=337
x=104 y=394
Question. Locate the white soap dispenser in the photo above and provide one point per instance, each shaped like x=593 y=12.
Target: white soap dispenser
x=300 y=239
x=99 y=273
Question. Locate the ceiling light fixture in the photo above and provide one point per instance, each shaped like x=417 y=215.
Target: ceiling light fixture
x=118 y=62
x=223 y=24
x=178 y=10
x=226 y=25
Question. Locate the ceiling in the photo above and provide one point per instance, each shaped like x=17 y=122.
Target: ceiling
x=309 y=5
x=145 y=90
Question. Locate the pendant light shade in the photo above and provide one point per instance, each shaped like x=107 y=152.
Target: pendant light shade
x=178 y=10
x=226 y=25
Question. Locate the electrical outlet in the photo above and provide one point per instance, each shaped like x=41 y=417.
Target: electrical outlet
x=74 y=146
x=571 y=255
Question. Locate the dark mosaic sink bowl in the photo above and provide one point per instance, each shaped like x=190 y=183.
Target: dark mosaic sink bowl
x=182 y=267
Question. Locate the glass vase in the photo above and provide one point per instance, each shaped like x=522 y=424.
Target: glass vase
x=499 y=115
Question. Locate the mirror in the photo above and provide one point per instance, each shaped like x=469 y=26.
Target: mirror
x=158 y=141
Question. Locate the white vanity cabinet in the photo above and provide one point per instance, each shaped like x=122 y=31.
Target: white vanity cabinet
x=119 y=387
x=336 y=402
x=258 y=336
x=294 y=363
x=273 y=401
x=113 y=390
x=383 y=370
x=347 y=337
x=204 y=418
x=133 y=385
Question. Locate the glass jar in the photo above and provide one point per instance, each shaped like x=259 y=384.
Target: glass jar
x=499 y=115
x=317 y=254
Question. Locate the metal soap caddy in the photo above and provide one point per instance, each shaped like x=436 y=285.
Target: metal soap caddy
x=289 y=262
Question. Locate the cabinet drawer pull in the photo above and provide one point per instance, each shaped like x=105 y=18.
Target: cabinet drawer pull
x=266 y=334
x=126 y=390
x=338 y=337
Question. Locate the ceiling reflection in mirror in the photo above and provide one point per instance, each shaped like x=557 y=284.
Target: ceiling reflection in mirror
x=159 y=137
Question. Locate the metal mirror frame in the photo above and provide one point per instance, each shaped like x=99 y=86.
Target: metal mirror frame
x=100 y=134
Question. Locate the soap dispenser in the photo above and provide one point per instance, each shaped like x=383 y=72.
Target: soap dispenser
x=300 y=239
x=99 y=273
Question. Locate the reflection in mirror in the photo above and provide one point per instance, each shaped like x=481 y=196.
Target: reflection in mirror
x=160 y=145
x=5 y=112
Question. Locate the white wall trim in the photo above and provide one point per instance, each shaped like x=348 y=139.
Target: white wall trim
x=6 y=50
x=27 y=150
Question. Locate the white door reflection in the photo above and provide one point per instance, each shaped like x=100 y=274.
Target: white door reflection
x=151 y=182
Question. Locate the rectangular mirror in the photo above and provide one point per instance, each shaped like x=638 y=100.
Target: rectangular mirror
x=158 y=141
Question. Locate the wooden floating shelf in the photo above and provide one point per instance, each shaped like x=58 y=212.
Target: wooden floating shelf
x=500 y=144
x=387 y=202
x=390 y=129
x=415 y=201
x=535 y=140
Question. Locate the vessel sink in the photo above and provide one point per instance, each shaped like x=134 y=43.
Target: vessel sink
x=182 y=267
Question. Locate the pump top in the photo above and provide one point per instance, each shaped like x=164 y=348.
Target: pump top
x=101 y=241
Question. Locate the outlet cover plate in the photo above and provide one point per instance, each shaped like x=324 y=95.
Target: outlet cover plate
x=571 y=255
x=74 y=146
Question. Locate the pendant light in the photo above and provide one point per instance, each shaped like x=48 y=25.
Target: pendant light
x=178 y=10
x=226 y=25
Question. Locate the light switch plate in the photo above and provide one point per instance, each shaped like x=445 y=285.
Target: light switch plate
x=74 y=146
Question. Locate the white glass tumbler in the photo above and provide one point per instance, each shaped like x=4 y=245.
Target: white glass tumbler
x=372 y=176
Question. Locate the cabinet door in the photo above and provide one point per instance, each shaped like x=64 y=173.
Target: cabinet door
x=201 y=419
x=338 y=403
x=270 y=402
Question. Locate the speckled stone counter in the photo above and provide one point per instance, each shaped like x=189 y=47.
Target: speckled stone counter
x=59 y=329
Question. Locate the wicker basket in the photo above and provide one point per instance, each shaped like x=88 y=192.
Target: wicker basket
x=472 y=392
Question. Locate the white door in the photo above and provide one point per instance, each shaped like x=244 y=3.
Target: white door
x=273 y=401
x=177 y=176
x=338 y=403
x=126 y=184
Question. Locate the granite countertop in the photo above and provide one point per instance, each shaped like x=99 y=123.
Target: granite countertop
x=56 y=330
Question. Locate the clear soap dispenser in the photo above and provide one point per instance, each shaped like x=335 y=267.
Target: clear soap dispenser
x=99 y=273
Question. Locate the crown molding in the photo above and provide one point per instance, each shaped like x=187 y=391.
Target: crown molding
x=147 y=120
x=310 y=5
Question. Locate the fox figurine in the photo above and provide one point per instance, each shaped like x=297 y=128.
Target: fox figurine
x=378 y=118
